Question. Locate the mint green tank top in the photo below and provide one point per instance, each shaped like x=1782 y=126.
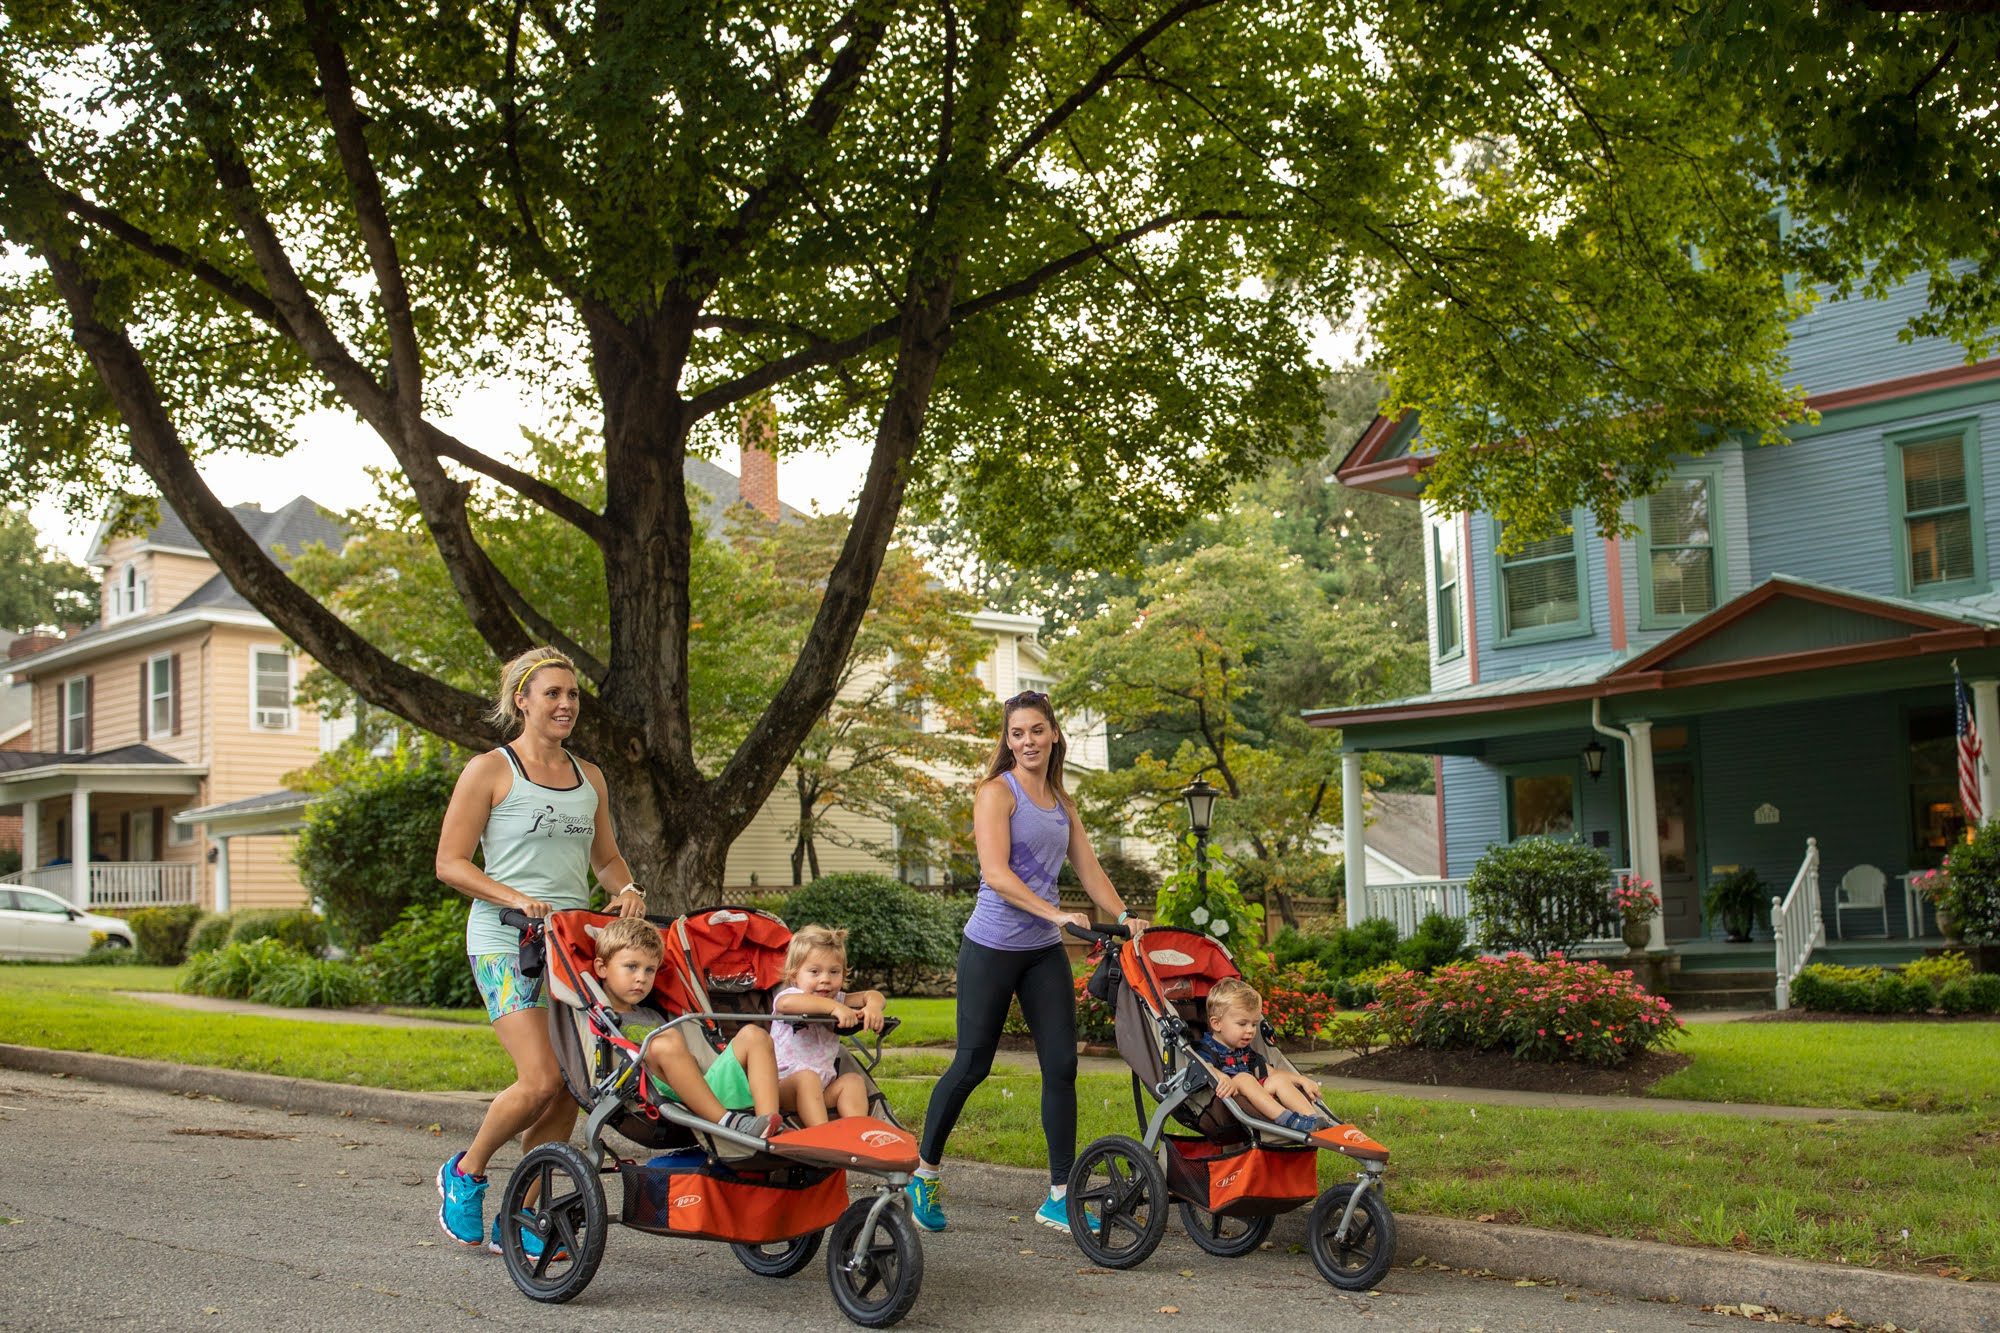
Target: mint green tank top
x=537 y=840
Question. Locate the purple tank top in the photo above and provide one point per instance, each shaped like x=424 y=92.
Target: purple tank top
x=1041 y=840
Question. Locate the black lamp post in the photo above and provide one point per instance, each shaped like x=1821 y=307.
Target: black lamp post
x=1200 y=798
x=1593 y=759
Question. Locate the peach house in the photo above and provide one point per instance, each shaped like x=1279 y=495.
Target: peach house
x=158 y=738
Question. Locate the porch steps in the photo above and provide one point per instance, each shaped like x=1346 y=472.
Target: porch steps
x=1714 y=988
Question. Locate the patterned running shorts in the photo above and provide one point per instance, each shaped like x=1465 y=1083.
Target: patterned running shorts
x=501 y=985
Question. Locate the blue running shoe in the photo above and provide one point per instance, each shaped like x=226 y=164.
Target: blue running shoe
x=531 y=1244
x=926 y=1202
x=1054 y=1212
x=463 y=1212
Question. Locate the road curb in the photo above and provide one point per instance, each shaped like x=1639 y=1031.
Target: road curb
x=1642 y=1269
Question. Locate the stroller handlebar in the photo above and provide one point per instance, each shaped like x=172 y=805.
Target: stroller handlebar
x=515 y=917
x=1099 y=932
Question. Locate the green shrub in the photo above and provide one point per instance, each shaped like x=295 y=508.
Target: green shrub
x=1815 y=988
x=162 y=932
x=210 y=933
x=1970 y=891
x=1940 y=971
x=103 y=953
x=1438 y=940
x=1893 y=995
x=235 y=971
x=369 y=847
x=1541 y=896
x=10 y=860
x=421 y=959
x=774 y=903
x=1955 y=997
x=894 y=933
x=314 y=983
x=298 y=927
x=1339 y=951
x=1985 y=992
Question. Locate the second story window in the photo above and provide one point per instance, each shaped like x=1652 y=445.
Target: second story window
x=1934 y=487
x=1541 y=588
x=75 y=703
x=128 y=594
x=1447 y=602
x=270 y=689
x=1682 y=572
x=162 y=696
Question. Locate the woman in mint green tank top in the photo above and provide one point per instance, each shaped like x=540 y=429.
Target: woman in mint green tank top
x=542 y=819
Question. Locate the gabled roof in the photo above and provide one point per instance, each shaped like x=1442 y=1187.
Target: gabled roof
x=15 y=761
x=1781 y=626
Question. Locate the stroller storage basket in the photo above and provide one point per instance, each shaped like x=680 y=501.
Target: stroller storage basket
x=1240 y=1179
x=714 y=1203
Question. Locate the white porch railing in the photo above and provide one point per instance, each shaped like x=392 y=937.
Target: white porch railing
x=1796 y=921
x=1405 y=905
x=119 y=885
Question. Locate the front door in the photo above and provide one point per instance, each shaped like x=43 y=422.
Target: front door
x=1680 y=886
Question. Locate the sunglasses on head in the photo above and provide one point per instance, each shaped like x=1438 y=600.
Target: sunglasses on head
x=1027 y=697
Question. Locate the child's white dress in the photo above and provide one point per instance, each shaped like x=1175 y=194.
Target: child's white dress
x=814 y=1046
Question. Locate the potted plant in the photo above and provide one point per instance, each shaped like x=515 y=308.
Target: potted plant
x=1637 y=905
x=1935 y=885
x=1737 y=900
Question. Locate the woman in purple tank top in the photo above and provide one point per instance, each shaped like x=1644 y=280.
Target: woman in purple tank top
x=1024 y=825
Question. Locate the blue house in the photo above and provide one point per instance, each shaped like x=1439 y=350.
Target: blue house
x=1761 y=677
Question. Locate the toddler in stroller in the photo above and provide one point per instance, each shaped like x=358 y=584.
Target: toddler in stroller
x=1241 y=1166
x=772 y=1191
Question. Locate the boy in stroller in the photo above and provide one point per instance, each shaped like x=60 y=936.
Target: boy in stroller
x=739 y=1090
x=1235 y=1013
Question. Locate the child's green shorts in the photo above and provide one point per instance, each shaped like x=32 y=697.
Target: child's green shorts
x=727 y=1081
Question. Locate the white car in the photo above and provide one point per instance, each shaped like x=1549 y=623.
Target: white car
x=34 y=924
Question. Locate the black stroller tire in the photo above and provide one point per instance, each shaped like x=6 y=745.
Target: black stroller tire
x=880 y=1290
x=1216 y=1234
x=1358 y=1262
x=781 y=1259
x=1122 y=1182
x=567 y=1215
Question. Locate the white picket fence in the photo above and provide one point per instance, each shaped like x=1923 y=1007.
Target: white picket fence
x=1404 y=905
x=119 y=885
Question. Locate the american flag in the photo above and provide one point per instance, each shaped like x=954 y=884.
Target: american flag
x=1968 y=752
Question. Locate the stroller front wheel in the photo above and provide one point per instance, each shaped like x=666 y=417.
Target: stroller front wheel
x=875 y=1280
x=1117 y=1202
x=555 y=1196
x=1356 y=1261
x=1223 y=1237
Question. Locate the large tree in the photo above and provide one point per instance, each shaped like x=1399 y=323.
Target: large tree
x=37 y=585
x=1058 y=262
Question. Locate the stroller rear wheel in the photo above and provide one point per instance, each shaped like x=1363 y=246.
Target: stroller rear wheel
x=780 y=1259
x=1356 y=1261
x=1117 y=1202
x=1224 y=1237
x=874 y=1282
x=565 y=1214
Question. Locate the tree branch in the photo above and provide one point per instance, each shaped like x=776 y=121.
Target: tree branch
x=1095 y=83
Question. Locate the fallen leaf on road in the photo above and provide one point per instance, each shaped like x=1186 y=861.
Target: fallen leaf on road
x=211 y=1309
x=1187 y=1272
x=1484 y=1217
x=1013 y=1217
x=1027 y=1251
x=1527 y=1282
x=1170 y=1309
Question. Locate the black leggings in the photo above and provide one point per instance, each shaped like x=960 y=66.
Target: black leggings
x=987 y=980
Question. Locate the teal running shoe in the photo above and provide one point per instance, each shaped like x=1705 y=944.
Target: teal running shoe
x=1054 y=1212
x=531 y=1244
x=463 y=1212
x=926 y=1202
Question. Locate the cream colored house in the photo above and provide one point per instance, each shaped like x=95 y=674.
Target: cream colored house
x=153 y=731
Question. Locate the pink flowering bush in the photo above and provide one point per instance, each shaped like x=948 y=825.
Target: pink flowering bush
x=1553 y=1009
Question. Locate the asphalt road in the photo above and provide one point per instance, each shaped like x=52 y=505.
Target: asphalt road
x=124 y=1208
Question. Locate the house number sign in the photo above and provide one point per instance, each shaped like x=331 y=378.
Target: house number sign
x=1766 y=814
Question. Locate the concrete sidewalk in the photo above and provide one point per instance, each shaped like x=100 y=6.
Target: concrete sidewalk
x=1632 y=1268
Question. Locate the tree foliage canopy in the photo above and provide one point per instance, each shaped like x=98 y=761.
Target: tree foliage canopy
x=1060 y=263
x=38 y=586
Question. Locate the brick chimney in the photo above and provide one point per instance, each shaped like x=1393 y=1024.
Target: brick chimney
x=32 y=642
x=757 y=472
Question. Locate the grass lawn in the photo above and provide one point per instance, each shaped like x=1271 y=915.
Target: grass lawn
x=1826 y=1191
x=1933 y=1067
x=925 y=1022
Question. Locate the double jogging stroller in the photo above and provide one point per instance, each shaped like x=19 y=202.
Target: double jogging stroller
x=1235 y=1172
x=772 y=1199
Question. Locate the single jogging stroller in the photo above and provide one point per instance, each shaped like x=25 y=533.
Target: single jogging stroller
x=1236 y=1171
x=772 y=1199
